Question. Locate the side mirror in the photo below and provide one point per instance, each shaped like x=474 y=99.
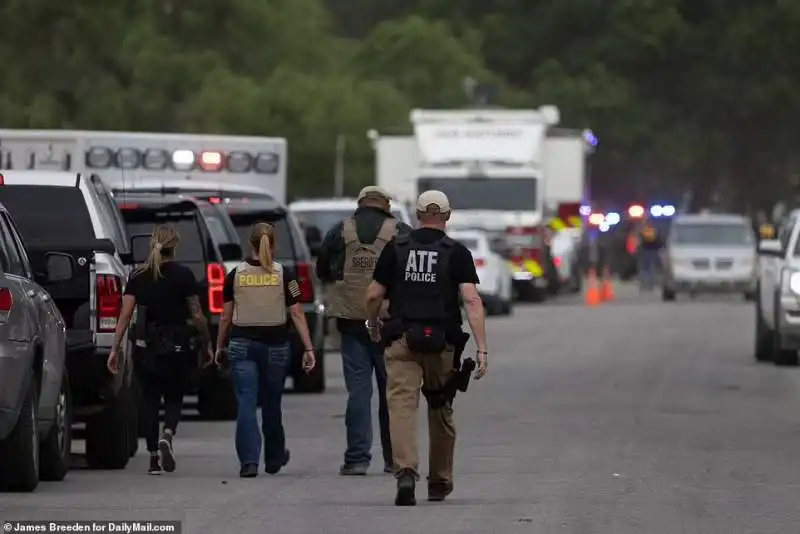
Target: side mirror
x=104 y=245
x=231 y=251
x=59 y=267
x=140 y=249
x=313 y=239
x=770 y=247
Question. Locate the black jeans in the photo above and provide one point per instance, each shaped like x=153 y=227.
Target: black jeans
x=162 y=376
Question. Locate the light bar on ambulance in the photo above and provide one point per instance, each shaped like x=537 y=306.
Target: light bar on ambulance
x=184 y=160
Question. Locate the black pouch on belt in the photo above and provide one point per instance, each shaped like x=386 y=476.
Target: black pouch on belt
x=426 y=338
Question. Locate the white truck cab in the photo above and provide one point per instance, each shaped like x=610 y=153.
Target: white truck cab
x=778 y=295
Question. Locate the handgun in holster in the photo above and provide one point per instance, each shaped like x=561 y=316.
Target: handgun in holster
x=391 y=331
x=458 y=381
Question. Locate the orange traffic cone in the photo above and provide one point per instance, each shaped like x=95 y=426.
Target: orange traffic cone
x=592 y=291
x=607 y=288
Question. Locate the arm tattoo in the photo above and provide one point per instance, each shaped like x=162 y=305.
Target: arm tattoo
x=199 y=320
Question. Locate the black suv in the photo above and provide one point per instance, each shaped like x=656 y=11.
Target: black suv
x=291 y=251
x=201 y=231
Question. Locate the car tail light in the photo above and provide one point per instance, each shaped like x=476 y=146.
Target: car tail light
x=109 y=302
x=6 y=302
x=216 y=279
x=557 y=261
x=2 y=180
x=480 y=262
x=305 y=283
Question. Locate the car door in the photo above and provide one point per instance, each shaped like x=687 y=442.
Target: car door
x=46 y=322
x=771 y=268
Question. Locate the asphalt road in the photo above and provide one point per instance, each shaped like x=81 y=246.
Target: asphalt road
x=636 y=417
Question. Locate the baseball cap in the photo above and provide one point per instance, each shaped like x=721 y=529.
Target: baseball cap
x=433 y=198
x=373 y=191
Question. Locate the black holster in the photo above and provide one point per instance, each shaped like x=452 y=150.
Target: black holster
x=458 y=381
x=391 y=331
x=152 y=343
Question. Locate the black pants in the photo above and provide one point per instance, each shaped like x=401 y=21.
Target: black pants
x=162 y=377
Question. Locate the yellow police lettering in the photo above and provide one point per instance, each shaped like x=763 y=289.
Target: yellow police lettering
x=259 y=280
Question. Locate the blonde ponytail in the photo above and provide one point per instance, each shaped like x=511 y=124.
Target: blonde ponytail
x=265 y=252
x=162 y=247
x=155 y=260
x=262 y=239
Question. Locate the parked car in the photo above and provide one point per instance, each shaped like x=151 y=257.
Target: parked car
x=74 y=214
x=777 y=315
x=709 y=253
x=35 y=396
x=496 y=278
x=205 y=255
x=293 y=252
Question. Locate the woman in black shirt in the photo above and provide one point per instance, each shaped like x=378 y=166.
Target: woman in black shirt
x=166 y=294
x=260 y=296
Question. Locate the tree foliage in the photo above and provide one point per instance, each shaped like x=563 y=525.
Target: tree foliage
x=683 y=94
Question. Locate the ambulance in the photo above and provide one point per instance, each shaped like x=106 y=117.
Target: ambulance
x=122 y=158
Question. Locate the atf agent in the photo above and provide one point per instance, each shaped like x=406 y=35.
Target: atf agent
x=422 y=274
x=260 y=296
x=345 y=264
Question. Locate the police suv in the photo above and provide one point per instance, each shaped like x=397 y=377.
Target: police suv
x=205 y=249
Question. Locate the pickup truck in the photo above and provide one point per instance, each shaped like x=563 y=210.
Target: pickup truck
x=74 y=214
x=777 y=314
x=35 y=396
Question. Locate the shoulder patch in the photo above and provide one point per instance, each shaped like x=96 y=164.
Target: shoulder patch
x=294 y=288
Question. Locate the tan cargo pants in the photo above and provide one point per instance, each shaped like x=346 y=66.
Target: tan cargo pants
x=407 y=371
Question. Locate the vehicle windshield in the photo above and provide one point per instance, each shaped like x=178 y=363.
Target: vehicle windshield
x=712 y=234
x=218 y=228
x=284 y=250
x=502 y=194
x=324 y=220
x=142 y=222
x=49 y=217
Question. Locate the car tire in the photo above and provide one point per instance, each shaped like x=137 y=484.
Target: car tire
x=56 y=447
x=313 y=382
x=216 y=401
x=531 y=293
x=668 y=295
x=107 y=442
x=764 y=337
x=19 y=451
x=780 y=356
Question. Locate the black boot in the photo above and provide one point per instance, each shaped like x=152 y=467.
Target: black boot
x=406 y=490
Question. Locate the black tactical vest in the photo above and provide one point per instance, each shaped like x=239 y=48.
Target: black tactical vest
x=422 y=280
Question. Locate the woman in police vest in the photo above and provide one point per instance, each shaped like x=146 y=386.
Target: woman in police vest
x=260 y=296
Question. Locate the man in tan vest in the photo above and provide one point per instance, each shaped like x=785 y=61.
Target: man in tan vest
x=345 y=263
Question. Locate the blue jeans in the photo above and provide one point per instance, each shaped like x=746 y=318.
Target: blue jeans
x=360 y=357
x=648 y=267
x=259 y=370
